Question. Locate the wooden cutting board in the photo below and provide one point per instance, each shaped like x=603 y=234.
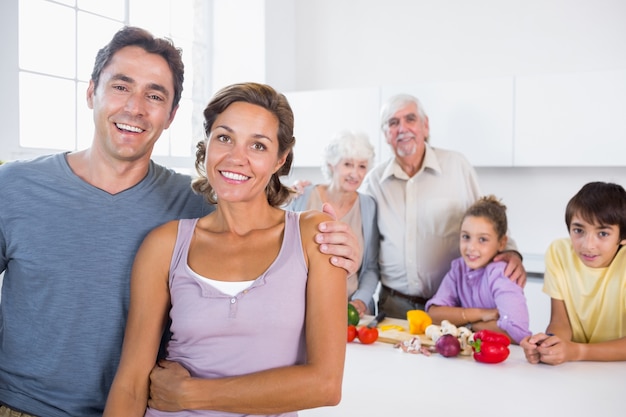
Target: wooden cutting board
x=395 y=335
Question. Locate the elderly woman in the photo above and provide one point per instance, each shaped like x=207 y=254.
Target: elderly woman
x=347 y=158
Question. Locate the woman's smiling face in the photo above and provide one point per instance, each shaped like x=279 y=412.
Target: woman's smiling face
x=242 y=152
x=348 y=173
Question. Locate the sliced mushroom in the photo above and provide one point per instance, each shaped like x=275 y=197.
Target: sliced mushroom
x=434 y=332
x=463 y=335
x=448 y=328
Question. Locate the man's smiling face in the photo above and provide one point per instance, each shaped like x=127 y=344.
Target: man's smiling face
x=132 y=103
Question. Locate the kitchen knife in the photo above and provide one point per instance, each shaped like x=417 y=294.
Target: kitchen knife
x=380 y=317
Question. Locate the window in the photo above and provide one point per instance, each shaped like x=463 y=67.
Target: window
x=58 y=41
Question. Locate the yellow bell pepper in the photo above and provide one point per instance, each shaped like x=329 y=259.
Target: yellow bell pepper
x=418 y=320
x=386 y=327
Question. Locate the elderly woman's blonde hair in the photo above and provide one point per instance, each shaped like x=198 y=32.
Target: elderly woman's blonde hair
x=346 y=144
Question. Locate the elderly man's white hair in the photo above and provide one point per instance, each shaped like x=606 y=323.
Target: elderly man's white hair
x=395 y=103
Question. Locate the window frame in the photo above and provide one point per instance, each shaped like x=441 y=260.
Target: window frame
x=195 y=94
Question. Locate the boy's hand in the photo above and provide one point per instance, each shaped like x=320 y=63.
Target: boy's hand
x=555 y=351
x=530 y=344
x=514 y=267
x=549 y=349
x=336 y=238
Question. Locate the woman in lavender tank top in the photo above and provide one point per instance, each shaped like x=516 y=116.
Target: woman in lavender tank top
x=257 y=311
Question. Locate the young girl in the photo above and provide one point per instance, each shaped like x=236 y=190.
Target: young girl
x=475 y=292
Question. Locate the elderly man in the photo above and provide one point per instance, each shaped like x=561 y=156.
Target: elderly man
x=422 y=193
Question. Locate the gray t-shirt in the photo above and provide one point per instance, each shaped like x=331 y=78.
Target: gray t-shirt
x=66 y=249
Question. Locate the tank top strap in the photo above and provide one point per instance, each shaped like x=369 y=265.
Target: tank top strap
x=292 y=251
x=181 y=248
x=292 y=240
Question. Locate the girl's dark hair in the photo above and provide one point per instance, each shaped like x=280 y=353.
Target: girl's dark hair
x=134 y=36
x=599 y=202
x=492 y=209
x=264 y=96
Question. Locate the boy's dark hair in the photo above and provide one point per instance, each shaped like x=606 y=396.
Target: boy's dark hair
x=493 y=210
x=599 y=202
x=134 y=36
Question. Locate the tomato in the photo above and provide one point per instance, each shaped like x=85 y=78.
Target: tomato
x=351 y=333
x=353 y=315
x=367 y=335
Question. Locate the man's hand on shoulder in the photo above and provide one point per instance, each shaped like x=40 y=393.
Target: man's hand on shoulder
x=337 y=239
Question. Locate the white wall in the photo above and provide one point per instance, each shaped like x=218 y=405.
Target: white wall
x=367 y=43
x=354 y=43
x=9 y=80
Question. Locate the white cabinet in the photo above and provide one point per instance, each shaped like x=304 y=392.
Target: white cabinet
x=474 y=117
x=320 y=114
x=551 y=120
x=571 y=119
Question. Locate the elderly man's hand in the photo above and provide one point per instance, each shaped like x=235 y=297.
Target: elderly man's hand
x=515 y=268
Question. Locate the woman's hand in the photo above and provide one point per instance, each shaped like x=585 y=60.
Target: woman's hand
x=299 y=186
x=360 y=307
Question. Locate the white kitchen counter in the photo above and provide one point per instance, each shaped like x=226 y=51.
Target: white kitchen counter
x=382 y=381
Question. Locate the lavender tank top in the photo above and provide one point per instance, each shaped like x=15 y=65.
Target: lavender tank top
x=216 y=335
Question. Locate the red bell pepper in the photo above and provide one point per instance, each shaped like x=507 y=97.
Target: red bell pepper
x=490 y=347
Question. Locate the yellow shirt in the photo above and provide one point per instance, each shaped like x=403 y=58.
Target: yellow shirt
x=595 y=298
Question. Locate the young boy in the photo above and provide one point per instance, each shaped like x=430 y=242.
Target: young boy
x=586 y=279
